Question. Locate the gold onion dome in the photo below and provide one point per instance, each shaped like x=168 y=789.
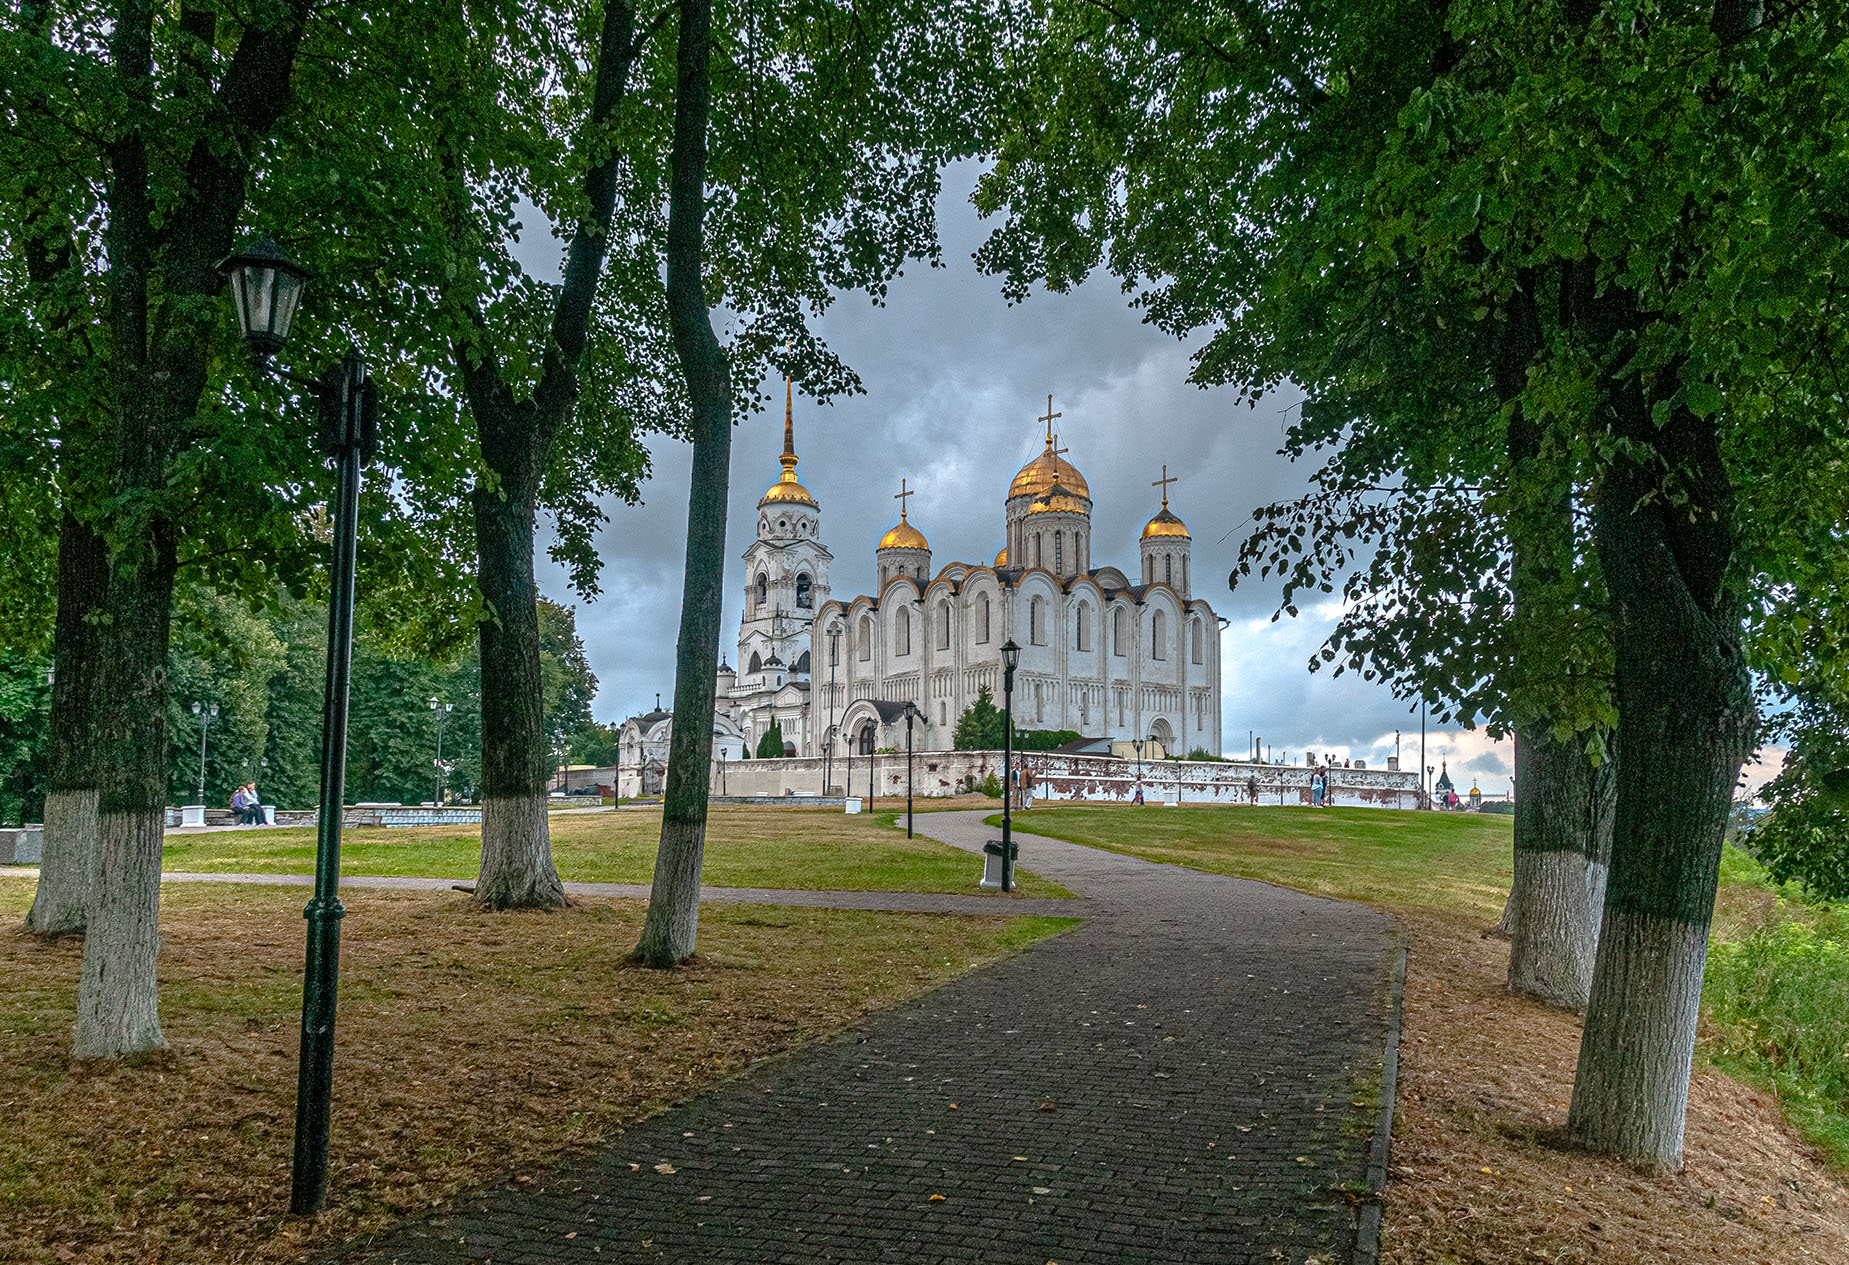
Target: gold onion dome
x=1001 y=557
x=1046 y=472
x=1165 y=524
x=786 y=489
x=904 y=536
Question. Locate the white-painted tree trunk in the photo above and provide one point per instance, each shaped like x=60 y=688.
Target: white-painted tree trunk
x=517 y=870
x=1639 y=1054
x=118 y=1008
x=673 y=925
x=1554 y=936
x=61 y=902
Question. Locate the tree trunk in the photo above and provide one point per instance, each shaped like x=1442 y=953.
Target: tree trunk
x=517 y=870
x=1686 y=724
x=61 y=901
x=1563 y=822
x=668 y=935
x=118 y=1006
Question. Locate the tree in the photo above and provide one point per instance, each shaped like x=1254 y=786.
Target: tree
x=770 y=746
x=1363 y=202
x=979 y=728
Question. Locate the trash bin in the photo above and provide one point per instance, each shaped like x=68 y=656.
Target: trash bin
x=992 y=861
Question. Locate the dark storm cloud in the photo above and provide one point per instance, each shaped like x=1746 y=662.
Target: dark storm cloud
x=955 y=379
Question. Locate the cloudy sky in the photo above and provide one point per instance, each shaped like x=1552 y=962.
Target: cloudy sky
x=955 y=379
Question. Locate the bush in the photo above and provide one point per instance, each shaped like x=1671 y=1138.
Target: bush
x=990 y=786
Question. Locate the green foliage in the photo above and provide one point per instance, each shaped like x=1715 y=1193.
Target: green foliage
x=1773 y=1010
x=980 y=728
x=770 y=746
x=1043 y=739
x=25 y=700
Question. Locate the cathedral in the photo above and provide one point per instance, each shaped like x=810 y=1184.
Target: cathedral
x=1110 y=657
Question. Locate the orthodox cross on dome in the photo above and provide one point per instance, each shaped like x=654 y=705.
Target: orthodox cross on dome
x=900 y=496
x=1163 y=483
x=1049 y=419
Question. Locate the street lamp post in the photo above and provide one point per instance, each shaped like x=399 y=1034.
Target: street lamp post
x=910 y=712
x=266 y=286
x=1136 y=745
x=441 y=712
x=206 y=714
x=1011 y=656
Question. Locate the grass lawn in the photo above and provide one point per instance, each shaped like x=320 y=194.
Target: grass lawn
x=807 y=848
x=1480 y=1171
x=1454 y=862
x=469 y=1046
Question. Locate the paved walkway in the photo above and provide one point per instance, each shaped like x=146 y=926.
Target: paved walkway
x=1184 y=1078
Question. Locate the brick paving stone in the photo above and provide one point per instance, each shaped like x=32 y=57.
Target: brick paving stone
x=1174 y=1081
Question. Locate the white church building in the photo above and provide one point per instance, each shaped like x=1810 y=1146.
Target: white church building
x=1111 y=655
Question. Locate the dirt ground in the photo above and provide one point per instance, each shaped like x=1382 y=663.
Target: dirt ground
x=470 y=1047
x=1480 y=1176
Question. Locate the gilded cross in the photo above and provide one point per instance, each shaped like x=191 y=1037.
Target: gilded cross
x=1049 y=419
x=1163 y=483
x=901 y=495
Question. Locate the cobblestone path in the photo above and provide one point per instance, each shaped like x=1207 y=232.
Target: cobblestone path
x=1187 y=1077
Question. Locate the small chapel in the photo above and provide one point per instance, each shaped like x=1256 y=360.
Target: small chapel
x=1114 y=656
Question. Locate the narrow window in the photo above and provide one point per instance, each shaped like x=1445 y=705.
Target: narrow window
x=902 y=632
x=1120 y=638
x=1059 y=552
x=1158 y=627
x=805 y=592
x=982 y=618
x=866 y=637
x=1168 y=568
x=1079 y=630
x=943 y=625
x=1198 y=639
x=757 y=663
x=763 y=590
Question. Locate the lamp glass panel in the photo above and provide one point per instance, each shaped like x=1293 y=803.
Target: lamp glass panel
x=287 y=293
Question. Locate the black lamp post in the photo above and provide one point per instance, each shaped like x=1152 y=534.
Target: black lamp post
x=828 y=755
x=910 y=711
x=1011 y=657
x=441 y=712
x=206 y=714
x=267 y=286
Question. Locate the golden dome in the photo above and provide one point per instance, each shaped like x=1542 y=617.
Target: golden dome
x=904 y=536
x=787 y=489
x=1047 y=471
x=1001 y=558
x=1165 y=524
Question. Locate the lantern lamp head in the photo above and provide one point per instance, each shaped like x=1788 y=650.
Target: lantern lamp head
x=266 y=286
x=1011 y=655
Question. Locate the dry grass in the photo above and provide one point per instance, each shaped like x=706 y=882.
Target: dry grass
x=1479 y=1173
x=469 y=1045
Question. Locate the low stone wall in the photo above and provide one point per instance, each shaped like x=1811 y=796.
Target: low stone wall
x=1088 y=778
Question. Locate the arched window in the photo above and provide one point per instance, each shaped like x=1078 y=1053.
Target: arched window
x=1197 y=639
x=982 y=619
x=943 y=712
x=1168 y=568
x=1036 y=623
x=867 y=738
x=943 y=625
x=866 y=637
x=1081 y=632
x=902 y=632
x=1039 y=545
x=1059 y=552
x=1120 y=632
x=805 y=591
x=802 y=664
x=763 y=588
x=756 y=664
x=1158 y=633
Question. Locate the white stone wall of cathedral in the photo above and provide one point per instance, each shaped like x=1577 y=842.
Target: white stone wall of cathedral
x=901 y=650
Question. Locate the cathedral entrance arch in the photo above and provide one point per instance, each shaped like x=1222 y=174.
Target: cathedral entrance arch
x=1161 y=732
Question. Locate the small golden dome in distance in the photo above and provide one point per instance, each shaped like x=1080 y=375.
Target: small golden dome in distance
x=1165 y=524
x=1001 y=558
x=904 y=536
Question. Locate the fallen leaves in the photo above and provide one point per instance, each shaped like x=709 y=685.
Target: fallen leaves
x=664 y=1168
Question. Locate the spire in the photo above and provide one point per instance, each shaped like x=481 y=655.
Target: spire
x=788 y=459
